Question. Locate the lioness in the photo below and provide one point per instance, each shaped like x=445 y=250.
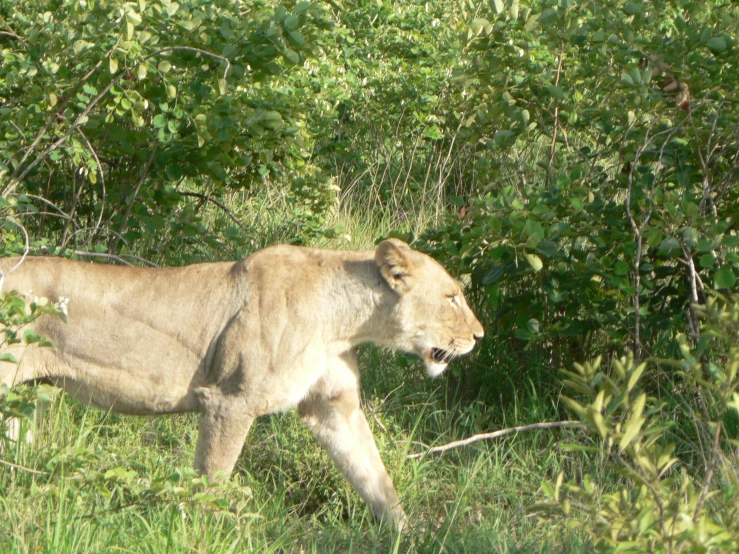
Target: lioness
x=237 y=340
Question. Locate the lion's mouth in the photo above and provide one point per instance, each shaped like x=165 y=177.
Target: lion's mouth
x=441 y=356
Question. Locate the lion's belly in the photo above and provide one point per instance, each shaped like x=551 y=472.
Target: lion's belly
x=134 y=369
x=144 y=397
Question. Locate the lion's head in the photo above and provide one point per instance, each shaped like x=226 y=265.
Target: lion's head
x=432 y=314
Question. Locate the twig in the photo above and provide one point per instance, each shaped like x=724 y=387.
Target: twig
x=13 y=35
x=102 y=183
x=25 y=252
x=139 y=259
x=103 y=255
x=95 y=229
x=51 y=205
x=692 y=274
x=209 y=198
x=495 y=435
x=22 y=468
x=556 y=112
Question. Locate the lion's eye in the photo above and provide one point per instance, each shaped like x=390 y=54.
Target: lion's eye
x=453 y=299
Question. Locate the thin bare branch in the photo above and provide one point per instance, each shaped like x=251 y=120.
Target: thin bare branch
x=209 y=198
x=102 y=181
x=22 y=468
x=94 y=229
x=25 y=252
x=495 y=435
x=556 y=112
x=13 y=35
x=51 y=205
x=102 y=255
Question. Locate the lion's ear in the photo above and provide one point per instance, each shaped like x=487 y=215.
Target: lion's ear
x=393 y=256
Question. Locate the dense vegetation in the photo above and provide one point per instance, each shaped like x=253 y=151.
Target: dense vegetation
x=575 y=163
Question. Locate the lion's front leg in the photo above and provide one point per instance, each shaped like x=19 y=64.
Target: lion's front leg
x=224 y=424
x=337 y=421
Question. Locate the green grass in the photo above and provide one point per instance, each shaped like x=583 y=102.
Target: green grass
x=286 y=496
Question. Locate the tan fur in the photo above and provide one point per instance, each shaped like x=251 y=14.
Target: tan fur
x=237 y=340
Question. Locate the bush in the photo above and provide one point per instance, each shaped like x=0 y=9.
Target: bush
x=646 y=430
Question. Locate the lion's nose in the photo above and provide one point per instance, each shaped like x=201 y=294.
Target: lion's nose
x=477 y=330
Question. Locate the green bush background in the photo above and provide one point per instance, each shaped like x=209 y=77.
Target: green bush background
x=574 y=163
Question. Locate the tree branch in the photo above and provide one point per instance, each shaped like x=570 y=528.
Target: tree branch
x=209 y=198
x=25 y=252
x=21 y=468
x=495 y=435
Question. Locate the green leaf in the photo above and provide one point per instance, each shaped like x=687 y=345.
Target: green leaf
x=599 y=423
x=573 y=405
x=707 y=260
x=691 y=237
x=29 y=337
x=579 y=448
x=557 y=92
x=297 y=37
x=291 y=55
x=631 y=8
x=291 y=22
x=8 y=357
x=547 y=247
x=492 y=275
x=160 y=120
x=478 y=26
x=164 y=66
x=632 y=430
x=133 y=17
x=716 y=45
x=535 y=262
x=547 y=16
x=669 y=248
x=174 y=172
x=433 y=132
x=496 y=6
x=621 y=268
x=724 y=278
x=635 y=375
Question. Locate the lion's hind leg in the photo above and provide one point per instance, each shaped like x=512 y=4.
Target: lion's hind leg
x=224 y=424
